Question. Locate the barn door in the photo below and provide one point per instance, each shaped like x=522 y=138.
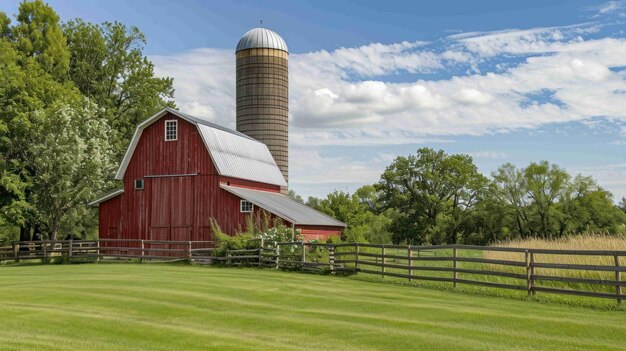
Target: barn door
x=159 y=214
x=181 y=213
x=170 y=211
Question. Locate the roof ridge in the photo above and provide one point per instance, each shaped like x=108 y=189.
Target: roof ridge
x=207 y=123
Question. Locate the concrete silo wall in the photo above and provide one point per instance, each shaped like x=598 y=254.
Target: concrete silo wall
x=263 y=100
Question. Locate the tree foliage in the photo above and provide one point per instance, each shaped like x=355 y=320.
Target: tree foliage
x=108 y=66
x=434 y=194
x=70 y=97
x=443 y=198
x=359 y=211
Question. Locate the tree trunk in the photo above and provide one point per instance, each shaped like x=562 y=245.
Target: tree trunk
x=25 y=233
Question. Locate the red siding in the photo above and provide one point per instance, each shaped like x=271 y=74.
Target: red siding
x=178 y=204
x=319 y=232
x=243 y=183
x=110 y=213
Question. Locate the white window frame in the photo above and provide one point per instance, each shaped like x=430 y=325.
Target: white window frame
x=142 y=184
x=242 y=202
x=175 y=129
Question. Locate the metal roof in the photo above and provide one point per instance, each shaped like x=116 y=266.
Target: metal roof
x=243 y=158
x=233 y=153
x=261 y=38
x=284 y=207
x=106 y=197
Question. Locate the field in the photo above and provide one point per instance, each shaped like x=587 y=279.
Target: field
x=166 y=307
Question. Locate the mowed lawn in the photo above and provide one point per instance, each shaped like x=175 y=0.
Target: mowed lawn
x=180 y=307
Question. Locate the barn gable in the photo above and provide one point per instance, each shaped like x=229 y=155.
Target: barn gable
x=233 y=154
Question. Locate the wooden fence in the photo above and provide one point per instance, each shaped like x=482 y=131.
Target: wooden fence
x=529 y=270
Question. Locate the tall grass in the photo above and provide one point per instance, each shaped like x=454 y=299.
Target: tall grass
x=599 y=242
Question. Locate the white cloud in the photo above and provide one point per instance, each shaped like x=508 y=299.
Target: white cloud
x=306 y=166
x=349 y=96
x=610 y=7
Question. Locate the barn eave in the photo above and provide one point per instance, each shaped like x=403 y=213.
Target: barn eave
x=106 y=197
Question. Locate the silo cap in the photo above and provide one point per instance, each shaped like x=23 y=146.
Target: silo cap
x=261 y=38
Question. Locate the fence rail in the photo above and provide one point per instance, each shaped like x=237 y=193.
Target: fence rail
x=530 y=270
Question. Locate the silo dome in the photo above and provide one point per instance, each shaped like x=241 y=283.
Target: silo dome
x=261 y=38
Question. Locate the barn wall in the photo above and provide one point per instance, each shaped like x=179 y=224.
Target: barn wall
x=243 y=183
x=175 y=208
x=178 y=204
x=311 y=232
x=110 y=217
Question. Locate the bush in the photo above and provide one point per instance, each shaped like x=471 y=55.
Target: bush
x=225 y=242
x=280 y=234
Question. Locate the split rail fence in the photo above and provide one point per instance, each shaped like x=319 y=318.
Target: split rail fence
x=529 y=270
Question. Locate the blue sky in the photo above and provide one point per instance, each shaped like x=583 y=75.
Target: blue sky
x=503 y=81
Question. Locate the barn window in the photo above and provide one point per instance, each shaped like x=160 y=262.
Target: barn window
x=138 y=184
x=246 y=206
x=171 y=130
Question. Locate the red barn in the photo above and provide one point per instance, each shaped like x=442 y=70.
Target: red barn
x=179 y=171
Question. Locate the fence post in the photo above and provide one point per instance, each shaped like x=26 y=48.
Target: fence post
x=384 y=260
x=454 y=266
x=527 y=263
x=98 y=251
x=356 y=257
x=531 y=273
x=331 y=258
x=277 y=253
x=143 y=250
x=71 y=248
x=45 y=251
x=16 y=251
x=618 y=287
x=261 y=255
x=303 y=255
x=410 y=259
x=189 y=252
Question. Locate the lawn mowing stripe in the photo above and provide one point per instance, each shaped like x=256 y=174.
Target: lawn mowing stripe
x=282 y=311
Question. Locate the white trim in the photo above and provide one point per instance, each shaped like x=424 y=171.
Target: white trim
x=106 y=197
x=175 y=129
x=142 y=184
x=241 y=203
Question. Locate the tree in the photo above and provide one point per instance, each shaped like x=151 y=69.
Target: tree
x=49 y=141
x=510 y=190
x=545 y=184
x=72 y=161
x=292 y=194
x=363 y=225
x=433 y=192
x=622 y=204
x=108 y=66
x=38 y=35
x=25 y=89
x=543 y=200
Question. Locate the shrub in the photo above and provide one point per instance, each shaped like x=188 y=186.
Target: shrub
x=225 y=242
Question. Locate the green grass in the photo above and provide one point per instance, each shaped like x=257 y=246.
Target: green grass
x=169 y=307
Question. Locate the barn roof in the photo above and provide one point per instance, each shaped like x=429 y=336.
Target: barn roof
x=106 y=197
x=284 y=207
x=233 y=153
